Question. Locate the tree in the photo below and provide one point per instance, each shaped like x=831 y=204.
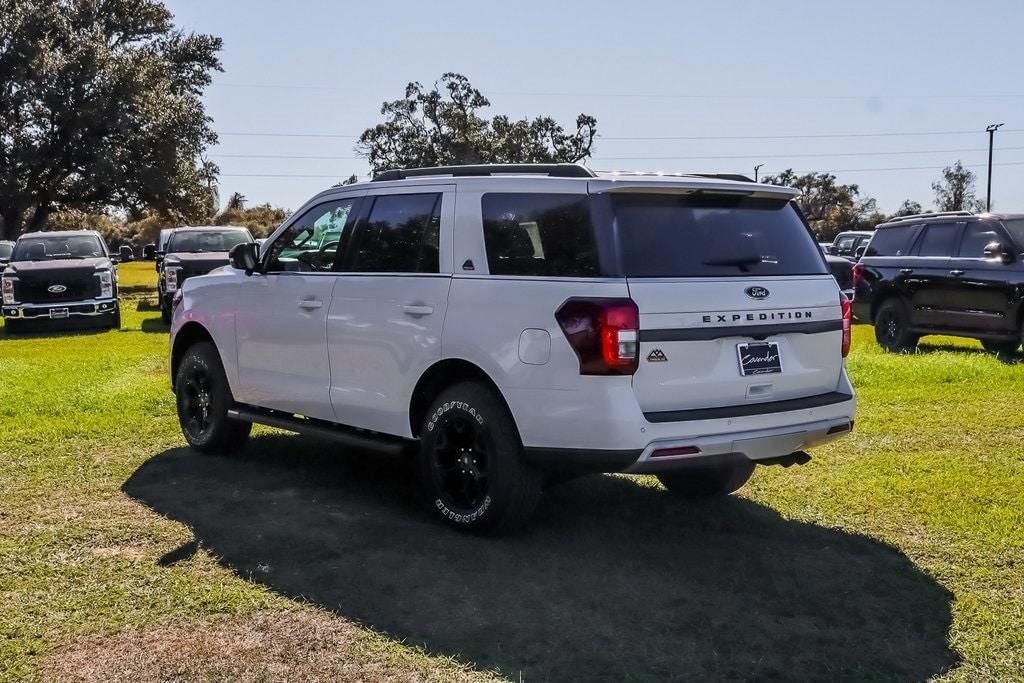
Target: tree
x=101 y=106
x=236 y=202
x=261 y=220
x=908 y=208
x=829 y=207
x=955 y=191
x=442 y=126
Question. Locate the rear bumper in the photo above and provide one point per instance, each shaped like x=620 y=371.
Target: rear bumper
x=604 y=430
x=87 y=308
x=756 y=445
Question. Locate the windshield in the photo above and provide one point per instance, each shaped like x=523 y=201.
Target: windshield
x=51 y=248
x=1016 y=229
x=712 y=236
x=5 y=250
x=207 y=240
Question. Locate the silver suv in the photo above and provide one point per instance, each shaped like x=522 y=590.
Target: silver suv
x=512 y=325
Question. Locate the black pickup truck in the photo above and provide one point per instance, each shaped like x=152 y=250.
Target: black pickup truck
x=192 y=251
x=60 y=279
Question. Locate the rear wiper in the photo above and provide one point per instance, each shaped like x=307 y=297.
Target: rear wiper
x=743 y=263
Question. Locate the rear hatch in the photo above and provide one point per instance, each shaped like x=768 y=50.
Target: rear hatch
x=736 y=303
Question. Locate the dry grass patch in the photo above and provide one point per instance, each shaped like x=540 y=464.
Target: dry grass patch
x=267 y=646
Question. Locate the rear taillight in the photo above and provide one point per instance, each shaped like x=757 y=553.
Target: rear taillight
x=847 y=307
x=603 y=333
x=858 y=273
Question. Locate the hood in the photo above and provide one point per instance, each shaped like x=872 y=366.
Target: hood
x=29 y=267
x=213 y=258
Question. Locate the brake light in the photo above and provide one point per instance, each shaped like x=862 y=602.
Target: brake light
x=858 y=273
x=603 y=333
x=847 y=307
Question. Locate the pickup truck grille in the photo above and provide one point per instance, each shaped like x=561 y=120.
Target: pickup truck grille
x=45 y=288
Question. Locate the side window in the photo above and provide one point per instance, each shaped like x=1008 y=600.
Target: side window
x=539 y=234
x=938 y=239
x=894 y=241
x=400 y=235
x=976 y=237
x=311 y=243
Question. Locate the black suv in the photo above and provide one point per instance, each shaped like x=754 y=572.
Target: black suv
x=193 y=251
x=847 y=244
x=950 y=273
x=62 y=278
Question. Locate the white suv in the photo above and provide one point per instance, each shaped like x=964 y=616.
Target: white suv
x=513 y=325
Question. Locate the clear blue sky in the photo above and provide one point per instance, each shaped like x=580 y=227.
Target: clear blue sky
x=644 y=69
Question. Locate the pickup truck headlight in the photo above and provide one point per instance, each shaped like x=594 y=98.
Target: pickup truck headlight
x=106 y=284
x=171 y=278
x=8 y=287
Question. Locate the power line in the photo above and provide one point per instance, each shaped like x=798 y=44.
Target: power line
x=844 y=170
x=317 y=157
x=666 y=95
x=801 y=136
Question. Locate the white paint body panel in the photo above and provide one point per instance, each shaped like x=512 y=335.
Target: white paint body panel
x=357 y=358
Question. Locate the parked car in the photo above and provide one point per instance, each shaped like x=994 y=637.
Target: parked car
x=842 y=271
x=125 y=253
x=65 y=279
x=191 y=251
x=149 y=252
x=944 y=273
x=509 y=325
x=6 y=248
x=847 y=244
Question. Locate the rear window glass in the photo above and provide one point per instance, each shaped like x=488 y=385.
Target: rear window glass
x=938 y=240
x=893 y=241
x=539 y=234
x=712 y=236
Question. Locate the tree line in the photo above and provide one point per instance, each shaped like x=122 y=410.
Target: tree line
x=102 y=125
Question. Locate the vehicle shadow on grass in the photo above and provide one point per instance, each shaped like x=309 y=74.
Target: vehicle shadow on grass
x=612 y=581
x=1002 y=356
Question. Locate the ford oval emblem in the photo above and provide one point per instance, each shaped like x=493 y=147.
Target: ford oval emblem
x=757 y=292
x=56 y=289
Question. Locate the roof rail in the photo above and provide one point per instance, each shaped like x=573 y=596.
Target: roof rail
x=935 y=214
x=553 y=170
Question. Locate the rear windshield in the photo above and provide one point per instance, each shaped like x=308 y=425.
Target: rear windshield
x=52 y=248
x=207 y=240
x=712 y=236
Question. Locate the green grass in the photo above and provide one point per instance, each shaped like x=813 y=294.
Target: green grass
x=897 y=553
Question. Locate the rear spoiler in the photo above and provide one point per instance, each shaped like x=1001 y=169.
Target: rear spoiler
x=693 y=185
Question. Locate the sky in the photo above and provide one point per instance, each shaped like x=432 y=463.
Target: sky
x=847 y=87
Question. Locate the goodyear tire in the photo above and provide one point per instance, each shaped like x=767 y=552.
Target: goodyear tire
x=203 y=399
x=471 y=465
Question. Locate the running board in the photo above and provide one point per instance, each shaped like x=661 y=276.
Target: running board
x=347 y=436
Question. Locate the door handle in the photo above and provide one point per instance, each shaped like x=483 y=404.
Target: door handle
x=310 y=304
x=906 y=271
x=957 y=272
x=417 y=310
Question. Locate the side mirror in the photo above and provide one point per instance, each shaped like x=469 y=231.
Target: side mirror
x=830 y=250
x=113 y=258
x=999 y=252
x=244 y=256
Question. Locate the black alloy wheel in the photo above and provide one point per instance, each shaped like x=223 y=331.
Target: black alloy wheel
x=459 y=462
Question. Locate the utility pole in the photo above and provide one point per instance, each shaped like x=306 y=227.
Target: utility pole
x=991 y=130
x=757 y=168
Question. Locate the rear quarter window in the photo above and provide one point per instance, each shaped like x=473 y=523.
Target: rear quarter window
x=540 y=234
x=894 y=241
x=712 y=236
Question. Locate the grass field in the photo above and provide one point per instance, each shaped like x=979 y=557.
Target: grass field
x=896 y=554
